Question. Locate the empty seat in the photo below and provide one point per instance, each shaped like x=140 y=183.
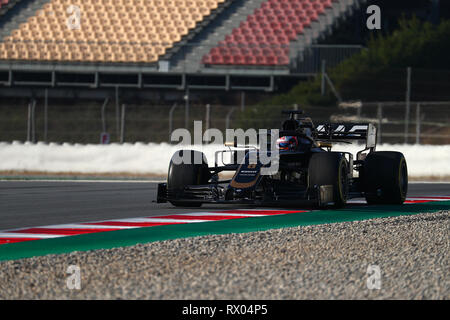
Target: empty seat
x=131 y=25
x=271 y=26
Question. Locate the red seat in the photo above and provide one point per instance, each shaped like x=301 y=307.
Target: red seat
x=223 y=51
x=286 y=26
x=235 y=51
x=207 y=59
x=251 y=18
x=268 y=32
x=246 y=31
x=256 y=51
x=283 y=39
x=264 y=24
x=274 y=5
x=282 y=18
x=216 y=59
x=305 y=21
x=299 y=12
x=253 y=44
x=318 y=8
x=326 y=3
x=312 y=15
x=285 y=6
x=278 y=12
x=236 y=31
x=249 y=38
x=295 y=5
x=275 y=25
x=238 y=59
x=260 y=60
x=271 y=60
x=282 y=60
x=257 y=31
x=267 y=52
x=265 y=12
x=245 y=51
x=261 y=19
x=290 y=33
x=244 y=24
x=227 y=59
x=272 y=40
x=306 y=6
x=271 y=18
x=260 y=38
x=249 y=60
x=214 y=51
x=238 y=38
x=278 y=31
x=265 y=5
x=253 y=24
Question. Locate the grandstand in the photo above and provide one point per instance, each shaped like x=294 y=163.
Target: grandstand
x=159 y=43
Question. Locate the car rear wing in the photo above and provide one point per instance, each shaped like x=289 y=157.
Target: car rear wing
x=348 y=131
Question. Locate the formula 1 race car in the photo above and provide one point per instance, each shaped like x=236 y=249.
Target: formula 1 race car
x=308 y=172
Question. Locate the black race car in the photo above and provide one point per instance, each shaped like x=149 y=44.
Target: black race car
x=308 y=171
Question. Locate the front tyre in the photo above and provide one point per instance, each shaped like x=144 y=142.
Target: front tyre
x=385 y=178
x=185 y=174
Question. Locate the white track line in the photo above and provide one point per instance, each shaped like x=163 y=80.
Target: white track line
x=79 y=226
x=29 y=235
x=149 y=220
x=200 y=214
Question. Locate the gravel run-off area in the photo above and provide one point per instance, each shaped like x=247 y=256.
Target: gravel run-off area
x=315 y=262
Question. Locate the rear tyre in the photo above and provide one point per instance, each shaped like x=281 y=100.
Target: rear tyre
x=385 y=178
x=330 y=168
x=185 y=174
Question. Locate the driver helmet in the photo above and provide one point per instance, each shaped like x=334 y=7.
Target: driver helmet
x=287 y=143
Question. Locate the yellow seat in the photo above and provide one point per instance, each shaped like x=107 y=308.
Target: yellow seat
x=145 y=28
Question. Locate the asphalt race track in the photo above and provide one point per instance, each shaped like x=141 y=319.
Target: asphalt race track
x=323 y=254
x=37 y=203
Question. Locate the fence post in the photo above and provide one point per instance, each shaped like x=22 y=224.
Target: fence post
x=186 y=110
x=380 y=120
x=227 y=122
x=408 y=103
x=29 y=123
x=46 y=116
x=418 y=124
x=105 y=103
x=323 y=85
x=171 y=119
x=122 y=126
x=117 y=112
x=208 y=117
x=242 y=100
x=33 y=121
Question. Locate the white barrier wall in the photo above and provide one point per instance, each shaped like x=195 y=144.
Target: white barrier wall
x=139 y=158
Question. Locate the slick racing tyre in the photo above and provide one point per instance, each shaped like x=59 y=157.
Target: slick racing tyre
x=330 y=168
x=185 y=174
x=385 y=178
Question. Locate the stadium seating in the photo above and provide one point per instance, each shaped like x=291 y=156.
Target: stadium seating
x=264 y=37
x=118 y=31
